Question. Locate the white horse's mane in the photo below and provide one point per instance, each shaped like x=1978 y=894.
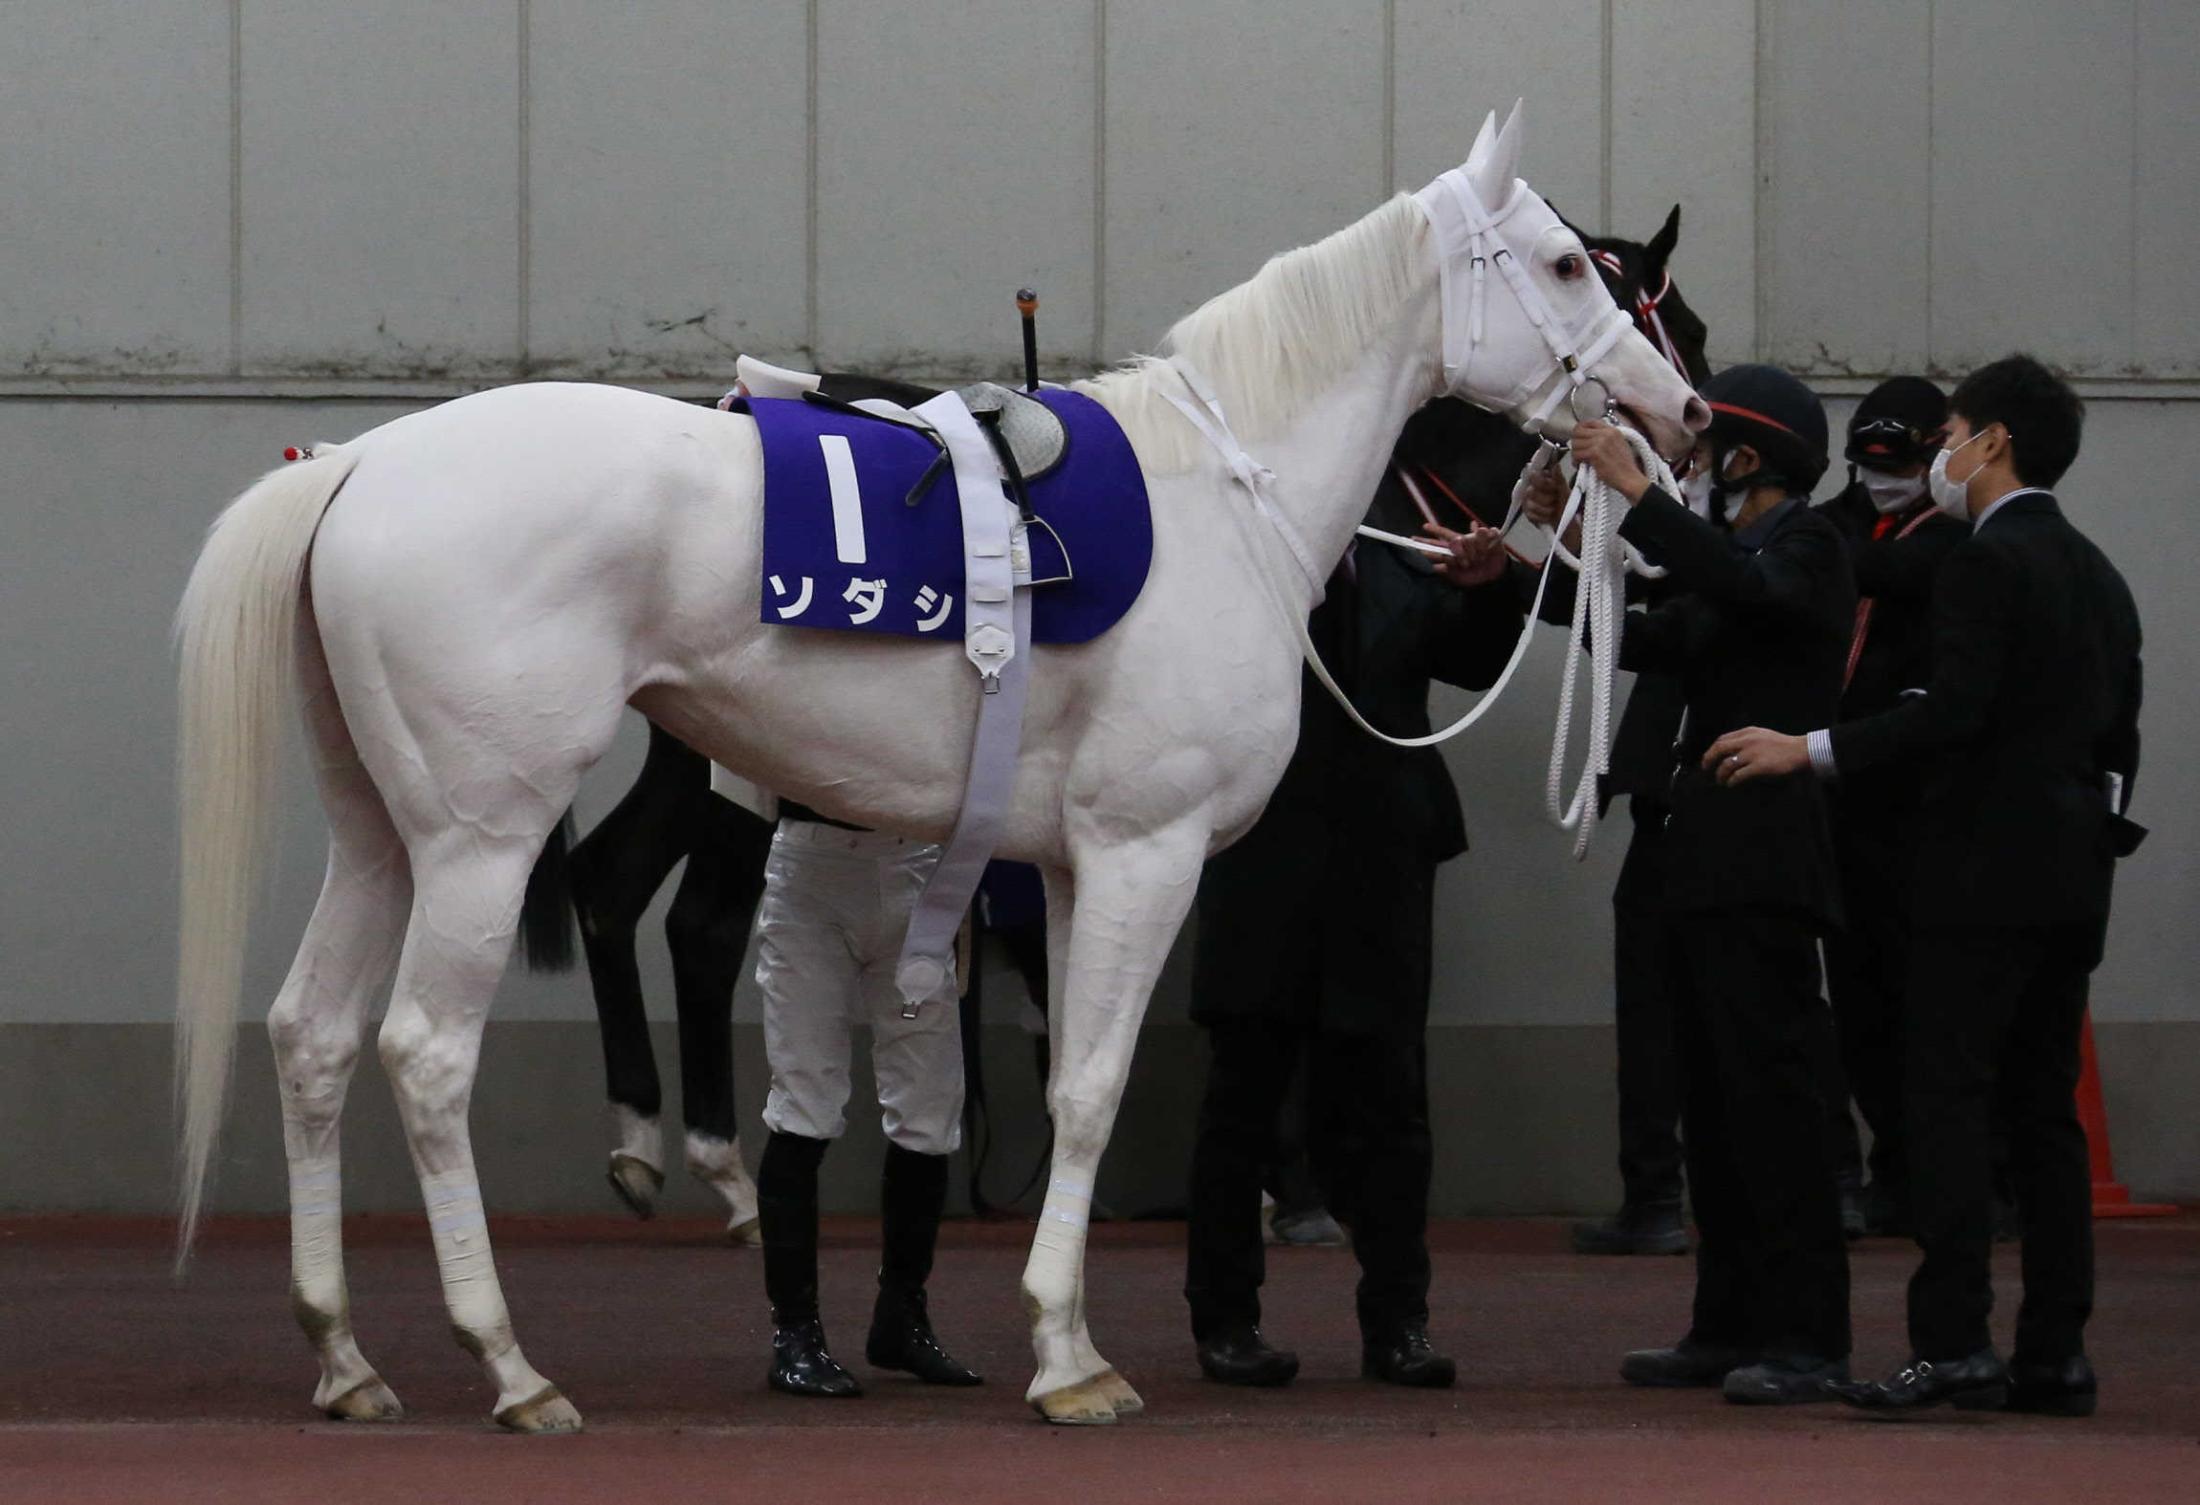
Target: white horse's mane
x=1273 y=344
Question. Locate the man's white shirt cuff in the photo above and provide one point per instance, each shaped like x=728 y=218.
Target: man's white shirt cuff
x=1820 y=744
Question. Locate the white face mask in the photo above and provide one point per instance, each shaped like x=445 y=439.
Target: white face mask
x=1696 y=492
x=1952 y=497
x=1891 y=494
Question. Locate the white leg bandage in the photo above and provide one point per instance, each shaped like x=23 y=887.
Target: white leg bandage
x=461 y=1233
x=717 y=1164
x=634 y=1135
x=317 y=1230
x=1058 y=1245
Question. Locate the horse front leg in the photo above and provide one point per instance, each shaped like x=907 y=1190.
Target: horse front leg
x=1128 y=903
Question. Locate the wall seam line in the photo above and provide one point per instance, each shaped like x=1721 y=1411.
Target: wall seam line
x=1932 y=156
x=236 y=187
x=809 y=204
x=1604 y=136
x=1099 y=183
x=524 y=255
x=2131 y=299
x=1390 y=99
x=1760 y=158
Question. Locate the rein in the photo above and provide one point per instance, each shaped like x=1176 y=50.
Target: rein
x=1466 y=230
x=1463 y=226
x=1590 y=498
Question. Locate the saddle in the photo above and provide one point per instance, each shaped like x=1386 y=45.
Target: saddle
x=859 y=537
x=858 y=501
x=1029 y=437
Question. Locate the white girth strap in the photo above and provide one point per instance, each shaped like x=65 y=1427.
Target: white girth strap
x=997 y=640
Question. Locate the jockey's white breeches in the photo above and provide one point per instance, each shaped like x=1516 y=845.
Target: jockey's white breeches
x=829 y=931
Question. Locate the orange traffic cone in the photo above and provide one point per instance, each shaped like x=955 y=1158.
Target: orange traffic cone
x=2110 y=1197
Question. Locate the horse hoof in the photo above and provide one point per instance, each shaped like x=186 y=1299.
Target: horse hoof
x=1118 y=1393
x=1084 y=1404
x=749 y=1234
x=547 y=1414
x=369 y=1400
x=637 y=1183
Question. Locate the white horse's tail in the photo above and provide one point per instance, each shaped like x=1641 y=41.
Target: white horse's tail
x=235 y=632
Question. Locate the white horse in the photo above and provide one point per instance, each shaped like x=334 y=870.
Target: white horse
x=467 y=598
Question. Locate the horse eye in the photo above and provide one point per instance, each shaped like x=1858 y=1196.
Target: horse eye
x=1569 y=267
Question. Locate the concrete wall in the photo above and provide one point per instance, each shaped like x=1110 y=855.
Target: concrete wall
x=232 y=226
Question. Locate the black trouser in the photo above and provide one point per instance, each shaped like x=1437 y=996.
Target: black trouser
x=1369 y=1091
x=1642 y=1013
x=1772 y=1272
x=1289 y=1177
x=1994 y=1015
x=1867 y=973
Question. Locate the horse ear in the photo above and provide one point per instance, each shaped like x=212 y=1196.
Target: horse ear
x=1493 y=171
x=1668 y=236
x=1479 y=152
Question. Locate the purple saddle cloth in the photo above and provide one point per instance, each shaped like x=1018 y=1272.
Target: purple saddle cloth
x=873 y=563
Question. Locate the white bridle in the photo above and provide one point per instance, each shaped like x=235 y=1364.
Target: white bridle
x=1469 y=236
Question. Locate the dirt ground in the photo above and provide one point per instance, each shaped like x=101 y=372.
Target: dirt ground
x=117 y=1385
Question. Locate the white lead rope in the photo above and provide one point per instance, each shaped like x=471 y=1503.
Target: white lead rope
x=1600 y=596
x=1603 y=584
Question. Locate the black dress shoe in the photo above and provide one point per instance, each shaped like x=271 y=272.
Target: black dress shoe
x=1688 y=1364
x=1241 y=1356
x=1653 y=1229
x=1405 y=1358
x=902 y=1338
x=2065 y=1389
x=1792 y=1380
x=801 y=1364
x=1978 y=1382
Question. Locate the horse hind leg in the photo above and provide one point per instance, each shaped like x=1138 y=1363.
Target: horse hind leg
x=1129 y=902
x=469 y=877
x=315 y=1027
x=615 y=873
x=466 y=895
x=707 y=930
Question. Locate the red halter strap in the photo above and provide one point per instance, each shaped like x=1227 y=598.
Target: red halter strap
x=1647 y=318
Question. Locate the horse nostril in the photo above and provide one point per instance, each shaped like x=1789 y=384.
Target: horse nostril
x=1696 y=416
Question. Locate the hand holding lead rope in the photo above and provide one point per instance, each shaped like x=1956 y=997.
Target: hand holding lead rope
x=1595 y=506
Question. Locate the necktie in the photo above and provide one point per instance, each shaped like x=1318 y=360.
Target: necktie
x=1885 y=527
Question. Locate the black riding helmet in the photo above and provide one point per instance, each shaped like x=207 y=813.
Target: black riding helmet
x=1899 y=422
x=1775 y=415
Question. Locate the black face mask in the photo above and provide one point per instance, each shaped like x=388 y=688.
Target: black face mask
x=1725 y=491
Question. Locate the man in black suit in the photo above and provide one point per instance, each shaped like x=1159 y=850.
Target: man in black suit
x=1758 y=632
x=1316 y=926
x=2027 y=742
x=1897 y=540
x=1649 y=1217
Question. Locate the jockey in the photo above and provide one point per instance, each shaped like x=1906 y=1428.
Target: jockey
x=836 y=903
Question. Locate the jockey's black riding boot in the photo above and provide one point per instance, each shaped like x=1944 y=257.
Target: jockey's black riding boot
x=913 y=1192
x=786 y=1196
